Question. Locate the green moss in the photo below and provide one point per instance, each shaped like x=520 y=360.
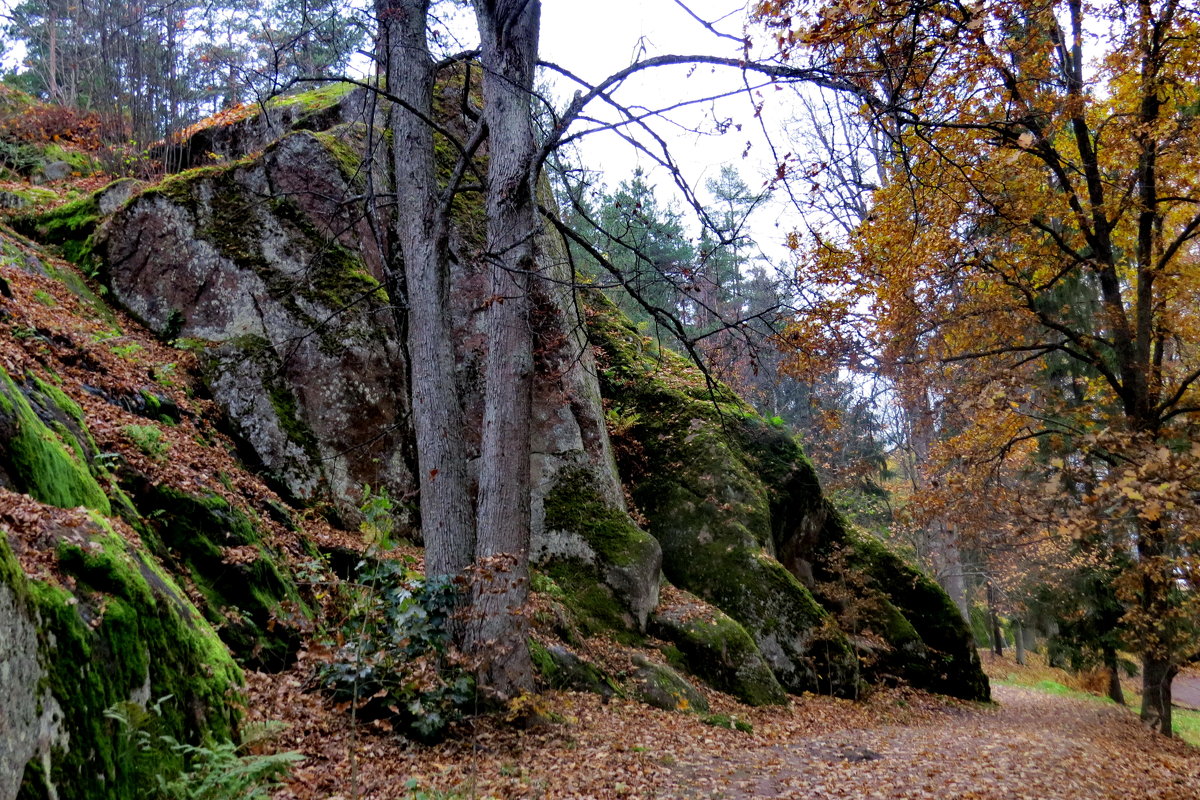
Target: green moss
x=81 y=162
x=718 y=650
x=593 y=607
x=34 y=196
x=250 y=601
x=664 y=688
x=349 y=162
x=692 y=453
x=313 y=99
x=39 y=461
x=561 y=669
x=124 y=627
x=575 y=505
x=69 y=226
x=728 y=722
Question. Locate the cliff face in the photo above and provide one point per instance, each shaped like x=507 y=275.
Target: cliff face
x=264 y=338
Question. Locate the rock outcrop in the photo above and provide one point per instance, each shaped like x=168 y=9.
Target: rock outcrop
x=87 y=620
x=273 y=270
x=270 y=268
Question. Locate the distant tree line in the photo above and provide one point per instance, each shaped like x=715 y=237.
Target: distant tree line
x=153 y=67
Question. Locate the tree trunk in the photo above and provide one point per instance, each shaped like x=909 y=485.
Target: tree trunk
x=1115 y=692
x=423 y=235
x=1157 y=674
x=497 y=630
x=1019 y=641
x=52 y=64
x=994 y=620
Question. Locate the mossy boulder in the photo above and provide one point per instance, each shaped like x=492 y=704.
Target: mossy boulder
x=928 y=643
x=662 y=687
x=715 y=648
x=739 y=512
x=681 y=444
x=45 y=451
x=238 y=133
x=271 y=269
x=110 y=627
x=562 y=669
x=597 y=539
x=249 y=594
x=70 y=226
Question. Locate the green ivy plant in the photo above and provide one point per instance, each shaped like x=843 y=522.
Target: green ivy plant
x=393 y=660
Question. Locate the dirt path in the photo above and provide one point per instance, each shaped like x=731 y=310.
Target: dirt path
x=1035 y=745
x=895 y=745
x=1185 y=691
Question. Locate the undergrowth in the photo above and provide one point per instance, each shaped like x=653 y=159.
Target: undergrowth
x=174 y=770
x=392 y=660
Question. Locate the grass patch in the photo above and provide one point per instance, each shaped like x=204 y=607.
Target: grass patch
x=1187 y=725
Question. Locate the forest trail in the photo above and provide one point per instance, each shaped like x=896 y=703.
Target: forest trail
x=894 y=745
x=1185 y=691
x=1034 y=745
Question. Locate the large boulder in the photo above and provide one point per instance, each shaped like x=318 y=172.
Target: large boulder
x=685 y=450
x=270 y=266
x=739 y=513
x=104 y=625
x=264 y=268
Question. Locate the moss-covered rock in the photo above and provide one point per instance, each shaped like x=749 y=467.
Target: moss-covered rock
x=682 y=447
x=249 y=595
x=663 y=687
x=715 y=648
x=122 y=632
x=929 y=644
x=270 y=262
x=39 y=455
x=562 y=669
x=581 y=526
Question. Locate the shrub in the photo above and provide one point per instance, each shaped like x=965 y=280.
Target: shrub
x=393 y=659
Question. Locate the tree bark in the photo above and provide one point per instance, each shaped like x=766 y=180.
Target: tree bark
x=1158 y=641
x=1019 y=641
x=994 y=621
x=1157 y=674
x=498 y=629
x=423 y=236
x=1115 y=692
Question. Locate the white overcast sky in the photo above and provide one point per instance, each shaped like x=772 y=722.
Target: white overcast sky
x=594 y=40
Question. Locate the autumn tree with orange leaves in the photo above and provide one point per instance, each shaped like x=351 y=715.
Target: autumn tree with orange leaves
x=1032 y=267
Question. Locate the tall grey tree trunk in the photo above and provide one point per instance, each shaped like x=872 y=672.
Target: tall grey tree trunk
x=497 y=629
x=994 y=620
x=1019 y=641
x=423 y=236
